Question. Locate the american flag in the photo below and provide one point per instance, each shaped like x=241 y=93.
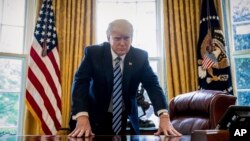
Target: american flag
x=208 y=61
x=43 y=88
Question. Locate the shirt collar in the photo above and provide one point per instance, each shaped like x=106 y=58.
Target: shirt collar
x=114 y=55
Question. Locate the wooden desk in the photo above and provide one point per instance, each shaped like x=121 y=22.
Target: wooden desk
x=96 y=138
x=210 y=135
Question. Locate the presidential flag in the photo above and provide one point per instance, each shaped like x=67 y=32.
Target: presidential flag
x=43 y=88
x=213 y=63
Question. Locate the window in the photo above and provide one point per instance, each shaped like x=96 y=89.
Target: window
x=240 y=49
x=12 y=64
x=145 y=16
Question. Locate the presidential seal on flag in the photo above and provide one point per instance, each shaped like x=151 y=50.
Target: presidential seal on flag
x=213 y=56
x=213 y=63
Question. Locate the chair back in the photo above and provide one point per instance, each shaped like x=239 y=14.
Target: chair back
x=198 y=110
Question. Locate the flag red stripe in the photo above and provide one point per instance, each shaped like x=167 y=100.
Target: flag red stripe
x=207 y=62
x=38 y=111
x=33 y=79
x=47 y=75
x=54 y=63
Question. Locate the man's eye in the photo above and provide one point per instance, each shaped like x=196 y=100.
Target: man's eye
x=118 y=38
x=126 y=38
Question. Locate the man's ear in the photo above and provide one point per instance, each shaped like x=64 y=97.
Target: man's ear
x=108 y=38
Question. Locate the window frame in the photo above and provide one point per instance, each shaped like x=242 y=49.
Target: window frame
x=234 y=54
x=29 y=15
x=159 y=43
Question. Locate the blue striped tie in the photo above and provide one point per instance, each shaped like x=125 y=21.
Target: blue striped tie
x=117 y=97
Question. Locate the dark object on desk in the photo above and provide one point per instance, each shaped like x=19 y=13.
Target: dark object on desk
x=239 y=115
x=146 y=123
x=210 y=135
x=141 y=101
x=198 y=110
x=237 y=120
x=147 y=127
x=145 y=105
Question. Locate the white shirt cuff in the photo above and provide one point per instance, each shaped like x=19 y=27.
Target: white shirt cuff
x=161 y=111
x=74 y=117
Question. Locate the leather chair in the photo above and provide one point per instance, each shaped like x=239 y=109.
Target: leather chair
x=198 y=110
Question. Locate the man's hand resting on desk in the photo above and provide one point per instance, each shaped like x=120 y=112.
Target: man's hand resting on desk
x=82 y=128
x=166 y=127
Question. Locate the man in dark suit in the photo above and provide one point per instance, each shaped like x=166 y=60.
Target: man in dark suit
x=93 y=90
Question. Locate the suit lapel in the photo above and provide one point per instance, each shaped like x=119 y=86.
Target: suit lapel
x=127 y=70
x=108 y=67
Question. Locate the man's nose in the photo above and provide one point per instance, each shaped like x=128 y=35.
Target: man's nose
x=122 y=41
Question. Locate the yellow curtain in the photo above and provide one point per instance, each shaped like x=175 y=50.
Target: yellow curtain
x=181 y=28
x=75 y=23
x=218 y=7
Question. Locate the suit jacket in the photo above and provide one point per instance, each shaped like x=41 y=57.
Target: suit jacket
x=93 y=84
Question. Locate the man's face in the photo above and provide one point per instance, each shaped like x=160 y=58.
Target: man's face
x=120 y=43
